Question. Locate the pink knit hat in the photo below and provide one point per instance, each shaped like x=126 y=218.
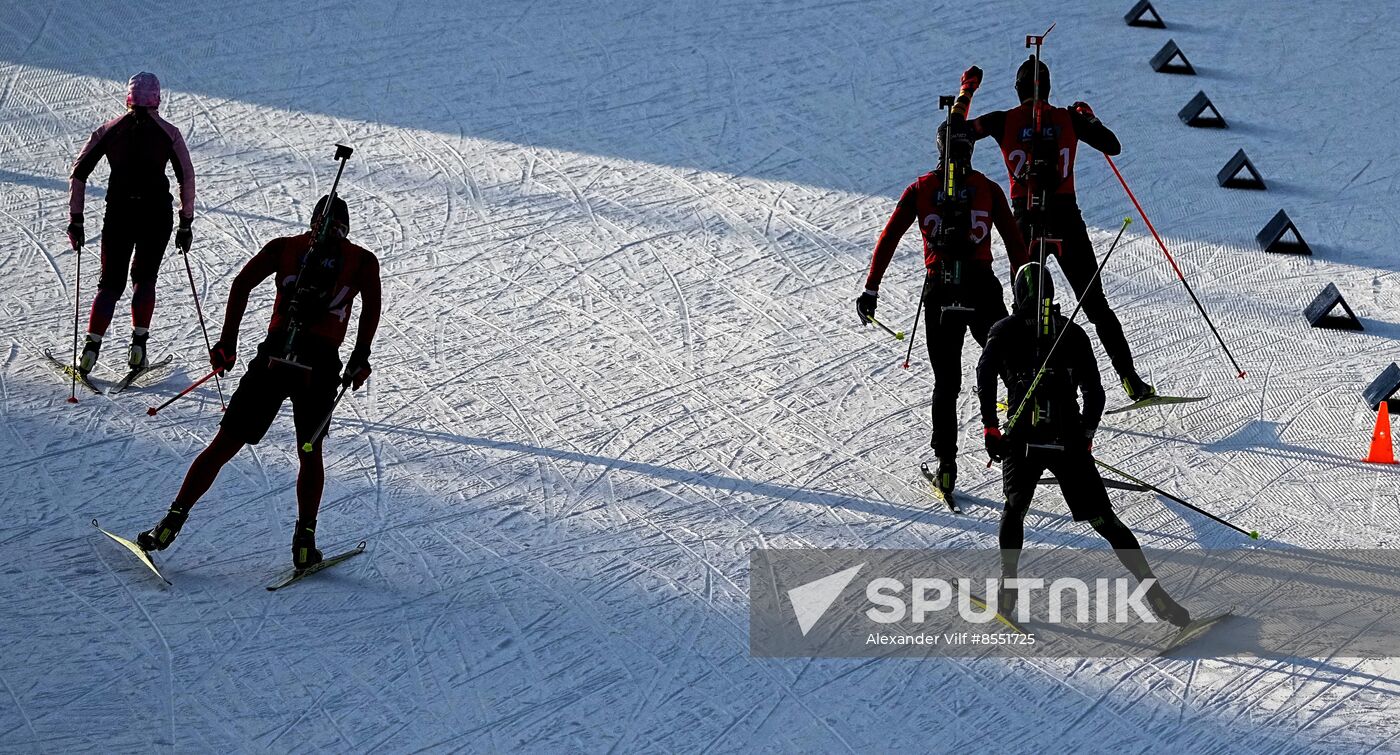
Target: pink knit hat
x=143 y=90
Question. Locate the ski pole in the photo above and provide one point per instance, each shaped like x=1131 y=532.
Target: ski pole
x=311 y=444
x=156 y=409
x=1253 y=534
x=1077 y=306
x=200 y=311
x=918 y=311
x=898 y=336
x=1239 y=372
x=77 y=313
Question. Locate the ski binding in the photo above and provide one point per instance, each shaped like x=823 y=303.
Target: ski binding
x=69 y=372
x=135 y=550
x=136 y=374
x=297 y=574
x=946 y=498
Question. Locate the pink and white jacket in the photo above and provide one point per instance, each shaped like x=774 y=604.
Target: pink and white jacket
x=137 y=146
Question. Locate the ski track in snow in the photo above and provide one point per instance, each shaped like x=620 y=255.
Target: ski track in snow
x=620 y=244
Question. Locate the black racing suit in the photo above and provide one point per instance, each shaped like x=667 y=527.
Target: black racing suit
x=1052 y=433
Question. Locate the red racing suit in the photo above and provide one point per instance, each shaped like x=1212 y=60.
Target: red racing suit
x=282 y=257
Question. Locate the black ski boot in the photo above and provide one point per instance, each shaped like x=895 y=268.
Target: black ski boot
x=304 y=552
x=159 y=537
x=136 y=354
x=947 y=475
x=1166 y=608
x=1006 y=598
x=89 y=358
x=1137 y=388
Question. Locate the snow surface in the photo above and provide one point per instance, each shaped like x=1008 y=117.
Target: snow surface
x=621 y=242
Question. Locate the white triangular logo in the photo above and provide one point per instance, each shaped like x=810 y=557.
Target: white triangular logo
x=811 y=600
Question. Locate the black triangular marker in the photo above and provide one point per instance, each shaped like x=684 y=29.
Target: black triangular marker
x=1165 y=60
x=1192 y=116
x=1134 y=17
x=1319 y=312
x=1271 y=237
x=1229 y=176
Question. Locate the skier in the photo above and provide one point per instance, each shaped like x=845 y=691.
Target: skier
x=137 y=219
x=299 y=359
x=1053 y=433
x=962 y=292
x=1053 y=212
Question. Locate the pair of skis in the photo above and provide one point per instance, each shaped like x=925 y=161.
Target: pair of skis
x=285 y=580
x=126 y=382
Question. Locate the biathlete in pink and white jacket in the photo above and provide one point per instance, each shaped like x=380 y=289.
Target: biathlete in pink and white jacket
x=137 y=145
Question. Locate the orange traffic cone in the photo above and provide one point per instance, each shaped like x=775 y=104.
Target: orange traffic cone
x=1382 y=451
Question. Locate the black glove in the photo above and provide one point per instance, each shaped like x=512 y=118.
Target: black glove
x=75 y=230
x=865 y=306
x=184 y=236
x=1083 y=109
x=997 y=445
x=221 y=355
x=357 y=370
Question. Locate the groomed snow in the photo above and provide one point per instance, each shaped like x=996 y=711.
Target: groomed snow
x=621 y=242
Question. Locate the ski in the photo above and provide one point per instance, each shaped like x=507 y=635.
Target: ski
x=136 y=374
x=135 y=550
x=296 y=574
x=68 y=372
x=1156 y=401
x=1108 y=483
x=947 y=498
x=1191 y=631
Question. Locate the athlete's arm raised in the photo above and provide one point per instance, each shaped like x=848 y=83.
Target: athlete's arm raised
x=1091 y=130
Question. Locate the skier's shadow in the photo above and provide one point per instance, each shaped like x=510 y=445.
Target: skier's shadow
x=934 y=511
x=1263 y=437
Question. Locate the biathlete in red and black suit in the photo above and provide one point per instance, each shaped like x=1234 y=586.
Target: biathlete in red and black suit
x=316 y=287
x=1056 y=212
x=138 y=145
x=963 y=292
